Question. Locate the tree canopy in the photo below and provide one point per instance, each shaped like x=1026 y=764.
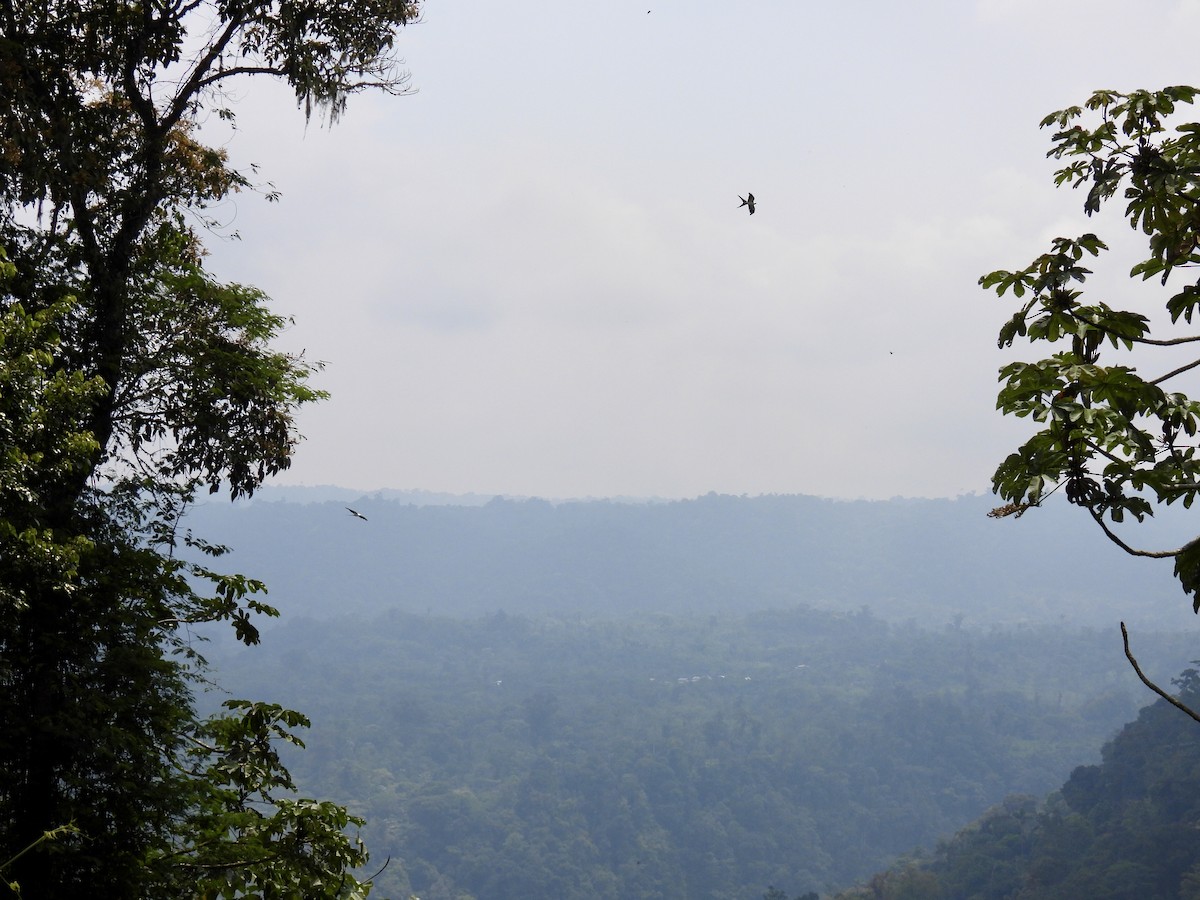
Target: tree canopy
x=1116 y=431
x=130 y=378
x=1123 y=828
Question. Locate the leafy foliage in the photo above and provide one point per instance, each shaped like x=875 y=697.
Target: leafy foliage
x=241 y=836
x=1117 y=442
x=42 y=438
x=130 y=379
x=53 y=834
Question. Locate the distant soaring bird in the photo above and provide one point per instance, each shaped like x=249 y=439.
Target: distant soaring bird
x=356 y=514
x=748 y=200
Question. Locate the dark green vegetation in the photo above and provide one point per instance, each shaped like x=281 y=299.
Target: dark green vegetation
x=1118 y=439
x=667 y=757
x=129 y=380
x=1125 y=828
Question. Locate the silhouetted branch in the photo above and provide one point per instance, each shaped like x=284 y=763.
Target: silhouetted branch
x=381 y=868
x=1150 y=684
x=1152 y=554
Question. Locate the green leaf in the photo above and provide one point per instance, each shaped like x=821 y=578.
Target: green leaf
x=1187 y=570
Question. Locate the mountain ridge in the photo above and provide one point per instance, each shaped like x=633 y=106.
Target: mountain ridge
x=934 y=560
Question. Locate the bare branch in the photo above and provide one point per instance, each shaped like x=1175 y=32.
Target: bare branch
x=1132 y=551
x=386 y=862
x=1175 y=372
x=1097 y=449
x=1169 y=342
x=196 y=81
x=1150 y=684
x=240 y=70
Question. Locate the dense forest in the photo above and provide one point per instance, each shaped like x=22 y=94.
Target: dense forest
x=726 y=697
x=1121 y=829
x=680 y=757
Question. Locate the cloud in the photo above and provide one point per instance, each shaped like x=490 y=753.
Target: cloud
x=533 y=276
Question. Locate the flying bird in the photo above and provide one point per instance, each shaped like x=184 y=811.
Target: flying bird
x=748 y=200
x=356 y=514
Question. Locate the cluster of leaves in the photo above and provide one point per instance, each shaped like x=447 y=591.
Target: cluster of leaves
x=130 y=379
x=1116 y=441
x=42 y=439
x=244 y=834
x=156 y=796
x=52 y=835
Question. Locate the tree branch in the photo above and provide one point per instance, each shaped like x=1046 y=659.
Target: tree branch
x=1150 y=684
x=1137 y=339
x=1100 y=451
x=1152 y=554
x=1169 y=342
x=241 y=70
x=197 y=79
x=1175 y=372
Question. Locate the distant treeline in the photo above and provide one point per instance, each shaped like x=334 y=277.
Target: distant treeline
x=936 y=561
x=685 y=758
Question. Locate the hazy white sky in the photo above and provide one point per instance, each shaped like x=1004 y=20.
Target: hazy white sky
x=532 y=276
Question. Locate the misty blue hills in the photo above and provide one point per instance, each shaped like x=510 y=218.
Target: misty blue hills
x=932 y=560
x=700 y=699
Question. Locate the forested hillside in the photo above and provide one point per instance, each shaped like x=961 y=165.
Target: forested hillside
x=1123 y=829
x=934 y=560
x=693 y=757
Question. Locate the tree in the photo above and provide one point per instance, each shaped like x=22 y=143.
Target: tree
x=130 y=378
x=1119 y=440
x=774 y=893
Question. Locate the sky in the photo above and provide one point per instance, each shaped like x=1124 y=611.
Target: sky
x=531 y=275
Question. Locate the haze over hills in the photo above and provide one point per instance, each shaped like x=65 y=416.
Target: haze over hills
x=687 y=699
x=933 y=560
